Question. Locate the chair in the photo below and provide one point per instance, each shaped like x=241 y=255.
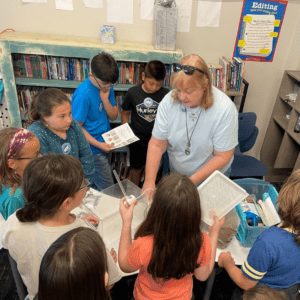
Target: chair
x=244 y=166
x=21 y=288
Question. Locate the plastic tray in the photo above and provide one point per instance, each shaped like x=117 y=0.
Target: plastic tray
x=219 y=194
x=106 y=208
x=248 y=234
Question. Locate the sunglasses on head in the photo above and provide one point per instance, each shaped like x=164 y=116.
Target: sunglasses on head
x=188 y=70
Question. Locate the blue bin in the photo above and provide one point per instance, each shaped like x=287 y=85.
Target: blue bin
x=248 y=234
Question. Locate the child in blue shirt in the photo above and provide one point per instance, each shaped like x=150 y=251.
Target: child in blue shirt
x=274 y=259
x=93 y=106
x=50 y=115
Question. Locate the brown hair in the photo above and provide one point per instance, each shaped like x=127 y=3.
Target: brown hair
x=155 y=69
x=174 y=219
x=7 y=175
x=44 y=102
x=104 y=67
x=74 y=267
x=263 y=292
x=289 y=204
x=197 y=80
x=47 y=181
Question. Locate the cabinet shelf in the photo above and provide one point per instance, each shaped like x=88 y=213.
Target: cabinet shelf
x=281 y=146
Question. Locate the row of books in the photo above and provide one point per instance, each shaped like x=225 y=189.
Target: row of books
x=131 y=73
x=50 y=67
x=120 y=97
x=228 y=75
x=65 y=68
x=25 y=95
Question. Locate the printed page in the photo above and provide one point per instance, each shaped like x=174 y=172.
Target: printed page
x=257 y=35
x=120 y=136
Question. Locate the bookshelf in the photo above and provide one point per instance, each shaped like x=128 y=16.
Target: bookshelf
x=281 y=147
x=66 y=46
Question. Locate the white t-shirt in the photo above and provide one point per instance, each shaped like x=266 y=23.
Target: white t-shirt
x=28 y=242
x=216 y=129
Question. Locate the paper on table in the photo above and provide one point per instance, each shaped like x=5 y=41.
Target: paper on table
x=256 y=37
x=120 y=136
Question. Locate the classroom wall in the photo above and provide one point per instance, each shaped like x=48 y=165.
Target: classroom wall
x=210 y=43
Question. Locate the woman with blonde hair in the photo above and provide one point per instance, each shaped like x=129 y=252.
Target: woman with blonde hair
x=196 y=123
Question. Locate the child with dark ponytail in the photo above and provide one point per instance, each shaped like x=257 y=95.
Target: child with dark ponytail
x=53 y=186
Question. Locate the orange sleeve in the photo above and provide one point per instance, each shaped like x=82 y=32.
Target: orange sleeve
x=205 y=251
x=133 y=255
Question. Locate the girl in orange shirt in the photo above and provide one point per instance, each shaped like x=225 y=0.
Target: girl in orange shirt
x=169 y=246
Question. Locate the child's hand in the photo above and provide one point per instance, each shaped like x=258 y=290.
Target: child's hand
x=107 y=147
x=126 y=210
x=93 y=220
x=113 y=253
x=225 y=258
x=217 y=225
x=104 y=93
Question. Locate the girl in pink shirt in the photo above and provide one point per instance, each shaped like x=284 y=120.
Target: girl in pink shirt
x=169 y=246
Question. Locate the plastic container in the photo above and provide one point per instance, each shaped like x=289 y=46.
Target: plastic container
x=105 y=205
x=248 y=234
x=219 y=195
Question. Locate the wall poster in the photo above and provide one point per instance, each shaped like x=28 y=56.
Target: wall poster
x=259 y=29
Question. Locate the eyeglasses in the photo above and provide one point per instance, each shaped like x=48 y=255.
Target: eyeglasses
x=21 y=158
x=188 y=70
x=87 y=185
x=104 y=87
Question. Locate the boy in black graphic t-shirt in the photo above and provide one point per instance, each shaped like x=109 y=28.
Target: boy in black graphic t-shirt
x=141 y=102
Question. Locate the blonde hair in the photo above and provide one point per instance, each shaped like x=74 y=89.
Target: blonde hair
x=263 y=292
x=197 y=80
x=289 y=204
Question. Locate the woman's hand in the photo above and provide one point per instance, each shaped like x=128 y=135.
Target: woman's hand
x=224 y=259
x=126 y=210
x=93 y=220
x=149 y=188
x=215 y=228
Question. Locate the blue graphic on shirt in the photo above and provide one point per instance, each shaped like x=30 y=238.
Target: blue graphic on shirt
x=148 y=109
x=66 y=148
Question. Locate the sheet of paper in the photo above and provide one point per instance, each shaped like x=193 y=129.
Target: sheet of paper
x=64 y=4
x=184 y=15
x=120 y=11
x=34 y=1
x=208 y=14
x=147 y=9
x=256 y=38
x=93 y=3
x=120 y=136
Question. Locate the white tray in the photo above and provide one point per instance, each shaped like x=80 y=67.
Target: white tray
x=218 y=195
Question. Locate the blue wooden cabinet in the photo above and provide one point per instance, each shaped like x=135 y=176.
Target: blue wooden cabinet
x=66 y=46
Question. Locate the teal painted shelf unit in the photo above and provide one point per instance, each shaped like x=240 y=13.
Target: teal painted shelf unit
x=66 y=46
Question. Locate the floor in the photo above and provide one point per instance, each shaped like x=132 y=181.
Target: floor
x=222 y=289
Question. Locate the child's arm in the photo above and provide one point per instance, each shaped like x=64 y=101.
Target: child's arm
x=103 y=146
x=125 y=116
x=125 y=240
x=111 y=111
x=202 y=273
x=226 y=261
